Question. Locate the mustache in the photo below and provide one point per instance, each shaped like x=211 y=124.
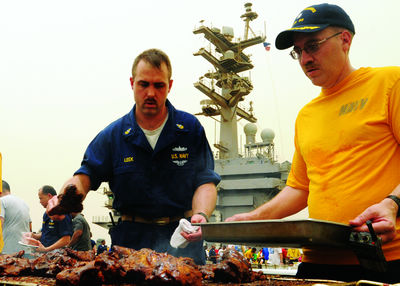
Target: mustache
x=310 y=65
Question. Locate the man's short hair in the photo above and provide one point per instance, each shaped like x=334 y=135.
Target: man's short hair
x=5 y=186
x=46 y=189
x=155 y=58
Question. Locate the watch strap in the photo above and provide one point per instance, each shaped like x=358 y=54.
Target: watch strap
x=397 y=201
x=203 y=215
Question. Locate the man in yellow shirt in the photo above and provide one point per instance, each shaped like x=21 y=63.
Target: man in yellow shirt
x=347 y=147
x=249 y=254
x=293 y=254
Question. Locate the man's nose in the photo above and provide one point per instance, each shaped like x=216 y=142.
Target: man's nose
x=151 y=91
x=305 y=58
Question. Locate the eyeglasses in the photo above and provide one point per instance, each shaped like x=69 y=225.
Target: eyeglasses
x=310 y=48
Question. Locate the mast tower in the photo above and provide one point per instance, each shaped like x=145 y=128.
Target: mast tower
x=229 y=60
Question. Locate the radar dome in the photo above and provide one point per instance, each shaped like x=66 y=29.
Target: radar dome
x=267 y=135
x=250 y=129
x=229 y=55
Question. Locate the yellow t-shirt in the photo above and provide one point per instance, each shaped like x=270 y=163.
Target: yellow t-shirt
x=249 y=254
x=293 y=253
x=348 y=154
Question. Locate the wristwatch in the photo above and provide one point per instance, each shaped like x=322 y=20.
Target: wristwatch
x=203 y=215
x=397 y=201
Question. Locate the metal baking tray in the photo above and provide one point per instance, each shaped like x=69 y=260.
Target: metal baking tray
x=279 y=233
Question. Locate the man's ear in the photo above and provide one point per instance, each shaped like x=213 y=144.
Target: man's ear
x=170 y=85
x=131 y=80
x=346 y=40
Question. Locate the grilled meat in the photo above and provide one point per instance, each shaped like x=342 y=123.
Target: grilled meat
x=51 y=263
x=81 y=255
x=234 y=267
x=14 y=266
x=150 y=267
x=83 y=273
x=125 y=265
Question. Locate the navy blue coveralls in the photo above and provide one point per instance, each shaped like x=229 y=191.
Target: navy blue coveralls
x=151 y=183
x=52 y=230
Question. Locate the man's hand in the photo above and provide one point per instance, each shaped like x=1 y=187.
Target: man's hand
x=25 y=236
x=50 y=205
x=239 y=217
x=41 y=248
x=69 y=200
x=383 y=218
x=34 y=242
x=30 y=240
x=71 y=196
x=195 y=236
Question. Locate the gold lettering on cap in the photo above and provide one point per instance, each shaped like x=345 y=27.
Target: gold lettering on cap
x=305 y=28
x=312 y=9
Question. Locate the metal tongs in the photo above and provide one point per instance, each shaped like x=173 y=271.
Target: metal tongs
x=368 y=248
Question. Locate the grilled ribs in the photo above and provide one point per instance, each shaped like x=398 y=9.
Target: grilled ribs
x=81 y=255
x=83 y=273
x=14 y=266
x=125 y=265
x=153 y=268
x=234 y=267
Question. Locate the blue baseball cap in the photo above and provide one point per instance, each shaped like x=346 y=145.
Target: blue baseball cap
x=312 y=19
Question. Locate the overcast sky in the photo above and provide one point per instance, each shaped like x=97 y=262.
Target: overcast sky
x=65 y=68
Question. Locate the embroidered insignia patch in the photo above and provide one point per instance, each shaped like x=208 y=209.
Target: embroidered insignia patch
x=179 y=149
x=179 y=155
x=180 y=163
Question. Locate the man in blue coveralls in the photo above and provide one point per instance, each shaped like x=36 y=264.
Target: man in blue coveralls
x=158 y=164
x=55 y=233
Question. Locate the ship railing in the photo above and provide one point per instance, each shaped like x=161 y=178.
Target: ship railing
x=210 y=84
x=101 y=219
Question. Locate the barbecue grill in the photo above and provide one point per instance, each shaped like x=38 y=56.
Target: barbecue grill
x=297 y=234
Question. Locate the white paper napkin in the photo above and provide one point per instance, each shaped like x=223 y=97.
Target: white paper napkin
x=177 y=240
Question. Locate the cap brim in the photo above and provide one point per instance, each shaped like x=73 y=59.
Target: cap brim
x=284 y=39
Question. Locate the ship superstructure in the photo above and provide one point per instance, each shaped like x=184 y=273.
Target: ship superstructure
x=248 y=179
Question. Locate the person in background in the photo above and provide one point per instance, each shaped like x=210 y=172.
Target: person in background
x=15 y=220
x=80 y=239
x=158 y=163
x=213 y=254
x=275 y=256
x=347 y=147
x=249 y=254
x=293 y=255
x=284 y=256
x=55 y=233
x=221 y=251
x=265 y=254
x=102 y=247
x=255 y=255
x=207 y=252
x=239 y=248
x=259 y=257
x=93 y=243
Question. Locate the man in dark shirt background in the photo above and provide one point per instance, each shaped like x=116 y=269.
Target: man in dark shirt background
x=81 y=237
x=54 y=234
